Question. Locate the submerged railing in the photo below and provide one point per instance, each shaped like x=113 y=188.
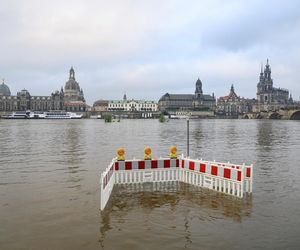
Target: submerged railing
x=227 y=178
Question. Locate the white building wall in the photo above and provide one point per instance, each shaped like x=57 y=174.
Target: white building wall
x=133 y=105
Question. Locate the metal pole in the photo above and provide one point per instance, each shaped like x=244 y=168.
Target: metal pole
x=188 y=137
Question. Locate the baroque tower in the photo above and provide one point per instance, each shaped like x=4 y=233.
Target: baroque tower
x=268 y=97
x=198 y=91
x=73 y=94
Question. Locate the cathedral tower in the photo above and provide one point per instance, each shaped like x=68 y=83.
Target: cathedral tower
x=198 y=91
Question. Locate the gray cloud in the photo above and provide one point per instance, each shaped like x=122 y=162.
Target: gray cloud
x=147 y=48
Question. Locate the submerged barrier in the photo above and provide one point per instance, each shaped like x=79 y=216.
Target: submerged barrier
x=228 y=178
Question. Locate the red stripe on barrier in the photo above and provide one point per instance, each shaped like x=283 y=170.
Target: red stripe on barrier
x=214 y=170
x=192 y=165
x=116 y=166
x=202 y=167
x=248 y=172
x=154 y=164
x=128 y=165
x=239 y=176
x=227 y=173
x=182 y=163
x=141 y=165
x=177 y=163
x=167 y=163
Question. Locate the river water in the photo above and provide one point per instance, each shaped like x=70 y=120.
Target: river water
x=49 y=186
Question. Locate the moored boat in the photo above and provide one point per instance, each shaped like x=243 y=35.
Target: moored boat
x=18 y=115
x=61 y=115
x=95 y=116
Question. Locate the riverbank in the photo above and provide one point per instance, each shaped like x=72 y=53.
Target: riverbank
x=293 y=114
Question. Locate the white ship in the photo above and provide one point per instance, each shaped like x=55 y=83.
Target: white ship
x=36 y=115
x=61 y=115
x=42 y=115
x=95 y=116
x=18 y=115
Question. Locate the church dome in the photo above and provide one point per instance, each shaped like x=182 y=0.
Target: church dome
x=4 y=89
x=71 y=84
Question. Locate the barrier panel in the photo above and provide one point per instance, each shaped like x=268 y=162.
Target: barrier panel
x=107 y=181
x=226 y=178
x=219 y=177
x=140 y=171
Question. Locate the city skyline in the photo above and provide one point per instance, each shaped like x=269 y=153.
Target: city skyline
x=147 y=49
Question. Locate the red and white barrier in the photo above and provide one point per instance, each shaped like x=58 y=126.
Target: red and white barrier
x=140 y=171
x=222 y=177
x=227 y=178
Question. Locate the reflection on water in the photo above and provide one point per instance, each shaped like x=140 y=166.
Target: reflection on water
x=178 y=200
x=265 y=135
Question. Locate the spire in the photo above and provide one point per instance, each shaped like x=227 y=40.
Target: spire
x=72 y=73
x=261 y=68
x=232 y=88
x=268 y=61
x=198 y=90
x=124 y=97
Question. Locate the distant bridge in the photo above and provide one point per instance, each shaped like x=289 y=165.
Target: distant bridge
x=282 y=114
x=289 y=114
x=292 y=114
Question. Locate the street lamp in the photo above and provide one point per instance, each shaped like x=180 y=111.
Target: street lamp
x=188 y=137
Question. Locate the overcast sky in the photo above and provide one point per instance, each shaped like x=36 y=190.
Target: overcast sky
x=148 y=48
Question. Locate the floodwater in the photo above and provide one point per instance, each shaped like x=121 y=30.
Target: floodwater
x=49 y=186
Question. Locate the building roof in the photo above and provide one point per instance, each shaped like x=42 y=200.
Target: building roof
x=4 y=89
x=168 y=96
x=186 y=97
x=100 y=103
x=231 y=94
x=208 y=97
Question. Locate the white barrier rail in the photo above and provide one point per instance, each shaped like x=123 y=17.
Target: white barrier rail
x=226 y=178
x=107 y=181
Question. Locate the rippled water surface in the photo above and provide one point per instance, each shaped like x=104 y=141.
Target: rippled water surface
x=49 y=186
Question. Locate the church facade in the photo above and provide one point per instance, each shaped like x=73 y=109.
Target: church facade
x=73 y=94
x=268 y=97
x=70 y=99
x=233 y=105
x=188 y=102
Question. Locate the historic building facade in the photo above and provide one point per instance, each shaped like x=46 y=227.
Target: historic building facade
x=73 y=94
x=232 y=105
x=132 y=105
x=188 y=102
x=71 y=99
x=100 y=105
x=268 y=97
x=24 y=101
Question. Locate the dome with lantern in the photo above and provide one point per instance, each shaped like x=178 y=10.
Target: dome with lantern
x=4 y=89
x=71 y=84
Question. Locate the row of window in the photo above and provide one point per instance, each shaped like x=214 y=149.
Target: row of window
x=134 y=105
x=132 y=109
